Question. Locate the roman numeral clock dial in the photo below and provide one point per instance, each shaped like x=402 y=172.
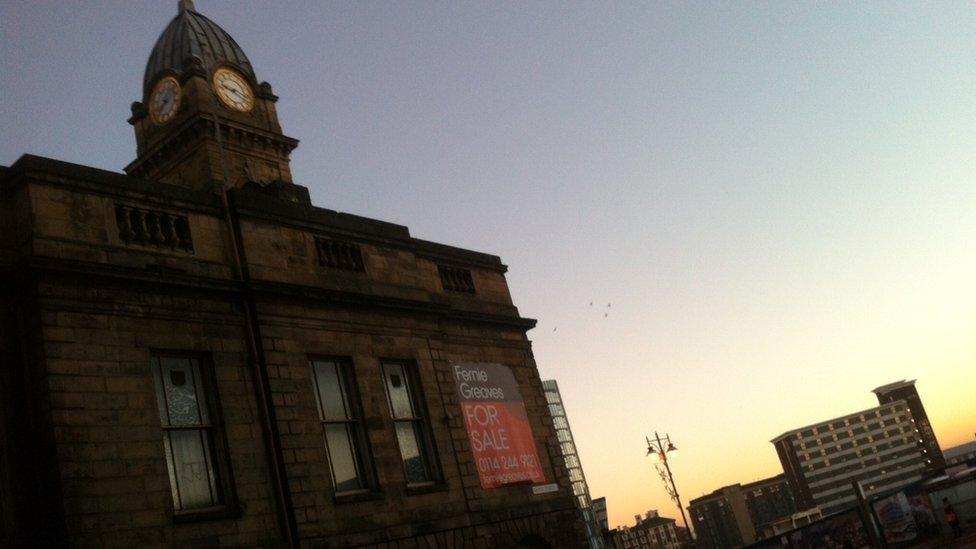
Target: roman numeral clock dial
x=165 y=100
x=233 y=90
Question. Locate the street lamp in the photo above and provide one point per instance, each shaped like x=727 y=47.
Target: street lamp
x=660 y=454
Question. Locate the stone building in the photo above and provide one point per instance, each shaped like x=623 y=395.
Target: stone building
x=193 y=354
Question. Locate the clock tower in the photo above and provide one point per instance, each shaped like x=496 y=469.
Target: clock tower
x=204 y=119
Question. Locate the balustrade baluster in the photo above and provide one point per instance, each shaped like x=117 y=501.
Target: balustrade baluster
x=122 y=220
x=138 y=221
x=166 y=227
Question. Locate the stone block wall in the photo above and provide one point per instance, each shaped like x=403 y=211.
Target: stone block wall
x=112 y=472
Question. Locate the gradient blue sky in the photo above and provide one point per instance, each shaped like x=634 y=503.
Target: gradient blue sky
x=778 y=199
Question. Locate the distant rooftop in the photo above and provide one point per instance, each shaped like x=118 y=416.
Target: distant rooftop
x=892 y=386
x=845 y=416
x=720 y=492
x=950 y=453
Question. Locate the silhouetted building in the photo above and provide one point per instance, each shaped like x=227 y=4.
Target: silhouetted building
x=684 y=535
x=768 y=500
x=192 y=354
x=734 y=515
x=600 y=512
x=650 y=531
x=882 y=447
x=568 y=446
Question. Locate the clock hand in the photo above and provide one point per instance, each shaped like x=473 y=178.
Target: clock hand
x=233 y=90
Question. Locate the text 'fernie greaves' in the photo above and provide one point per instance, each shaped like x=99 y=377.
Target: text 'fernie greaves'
x=498 y=427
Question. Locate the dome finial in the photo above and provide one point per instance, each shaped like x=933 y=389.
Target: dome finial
x=187 y=5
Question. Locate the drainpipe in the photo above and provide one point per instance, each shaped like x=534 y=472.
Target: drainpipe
x=255 y=347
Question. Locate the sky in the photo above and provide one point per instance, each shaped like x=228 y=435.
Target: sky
x=776 y=200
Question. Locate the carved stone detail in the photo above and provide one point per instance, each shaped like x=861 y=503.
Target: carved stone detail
x=155 y=228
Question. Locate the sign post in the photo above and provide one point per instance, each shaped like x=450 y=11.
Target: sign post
x=497 y=425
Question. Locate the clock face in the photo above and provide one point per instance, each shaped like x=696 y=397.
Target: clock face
x=165 y=100
x=233 y=90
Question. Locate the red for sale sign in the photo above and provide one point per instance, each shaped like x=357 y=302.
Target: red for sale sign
x=498 y=427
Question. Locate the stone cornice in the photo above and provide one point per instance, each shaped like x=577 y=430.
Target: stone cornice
x=251 y=203
x=204 y=125
x=363 y=229
x=34 y=269
x=103 y=182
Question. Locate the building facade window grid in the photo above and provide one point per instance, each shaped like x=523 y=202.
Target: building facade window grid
x=881 y=447
x=575 y=470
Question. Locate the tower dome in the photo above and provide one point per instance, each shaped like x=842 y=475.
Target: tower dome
x=190 y=35
x=204 y=120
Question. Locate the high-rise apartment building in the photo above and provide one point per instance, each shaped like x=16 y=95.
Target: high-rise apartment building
x=882 y=447
x=561 y=422
x=905 y=390
x=734 y=515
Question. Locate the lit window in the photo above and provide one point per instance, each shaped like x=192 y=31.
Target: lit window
x=339 y=412
x=409 y=418
x=187 y=419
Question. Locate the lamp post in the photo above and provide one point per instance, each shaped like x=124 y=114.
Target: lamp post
x=659 y=454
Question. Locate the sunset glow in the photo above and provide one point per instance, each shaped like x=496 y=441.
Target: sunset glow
x=730 y=220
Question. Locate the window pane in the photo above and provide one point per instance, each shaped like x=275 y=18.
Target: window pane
x=410 y=449
x=181 y=378
x=343 y=457
x=332 y=404
x=181 y=397
x=398 y=390
x=191 y=471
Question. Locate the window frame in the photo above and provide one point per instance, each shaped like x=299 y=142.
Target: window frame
x=366 y=465
x=422 y=421
x=221 y=464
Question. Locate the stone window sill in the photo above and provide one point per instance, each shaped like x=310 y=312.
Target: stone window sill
x=205 y=514
x=417 y=489
x=361 y=495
